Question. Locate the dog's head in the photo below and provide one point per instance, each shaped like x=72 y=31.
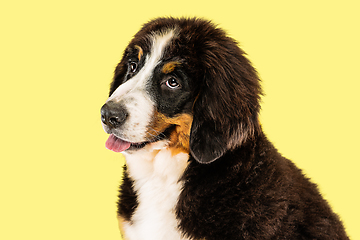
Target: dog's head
x=183 y=82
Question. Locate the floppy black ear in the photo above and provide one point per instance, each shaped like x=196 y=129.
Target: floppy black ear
x=206 y=145
x=225 y=113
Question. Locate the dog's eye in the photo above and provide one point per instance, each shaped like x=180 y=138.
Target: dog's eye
x=133 y=67
x=172 y=83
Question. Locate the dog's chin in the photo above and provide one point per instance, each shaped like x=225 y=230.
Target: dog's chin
x=137 y=146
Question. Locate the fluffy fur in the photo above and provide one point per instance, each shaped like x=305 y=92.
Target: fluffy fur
x=183 y=106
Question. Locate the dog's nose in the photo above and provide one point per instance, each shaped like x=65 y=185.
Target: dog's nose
x=113 y=114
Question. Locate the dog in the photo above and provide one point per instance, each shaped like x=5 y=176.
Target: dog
x=184 y=109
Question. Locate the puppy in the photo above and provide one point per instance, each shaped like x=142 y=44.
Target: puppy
x=183 y=108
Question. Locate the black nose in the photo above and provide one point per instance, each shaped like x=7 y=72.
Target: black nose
x=113 y=114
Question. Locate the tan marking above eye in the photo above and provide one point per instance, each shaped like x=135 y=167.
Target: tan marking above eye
x=141 y=52
x=170 y=66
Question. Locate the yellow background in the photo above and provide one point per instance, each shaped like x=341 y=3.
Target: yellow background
x=57 y=180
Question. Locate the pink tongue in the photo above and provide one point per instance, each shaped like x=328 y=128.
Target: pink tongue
x=116 y=144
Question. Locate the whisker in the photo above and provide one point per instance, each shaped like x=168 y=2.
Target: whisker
x=157 y=136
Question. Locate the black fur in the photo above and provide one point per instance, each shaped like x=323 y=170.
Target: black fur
x=127 y=198
x=237 y=185
x=253 y=192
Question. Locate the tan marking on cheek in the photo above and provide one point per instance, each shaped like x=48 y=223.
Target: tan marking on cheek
x=158 y=125
x=179 y=137
x=141 y=52
x=169 y=67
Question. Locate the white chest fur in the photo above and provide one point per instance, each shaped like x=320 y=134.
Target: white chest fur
x=156 y=172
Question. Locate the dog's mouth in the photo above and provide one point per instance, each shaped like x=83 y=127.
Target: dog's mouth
x=117 y=144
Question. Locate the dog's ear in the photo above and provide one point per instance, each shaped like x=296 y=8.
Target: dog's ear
x=225 y=112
